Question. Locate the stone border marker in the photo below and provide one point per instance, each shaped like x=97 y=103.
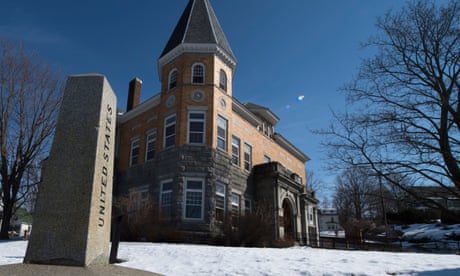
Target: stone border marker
x=73 y=210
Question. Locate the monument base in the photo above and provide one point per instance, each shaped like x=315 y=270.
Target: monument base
x=56 y=270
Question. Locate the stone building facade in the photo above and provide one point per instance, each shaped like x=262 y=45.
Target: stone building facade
x=198 y=153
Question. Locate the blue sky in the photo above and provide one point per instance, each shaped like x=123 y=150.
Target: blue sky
x=284 y=49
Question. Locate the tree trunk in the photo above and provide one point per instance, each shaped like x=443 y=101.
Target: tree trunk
x=7 y=214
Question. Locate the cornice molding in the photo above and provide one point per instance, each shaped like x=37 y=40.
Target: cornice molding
x=195 y=48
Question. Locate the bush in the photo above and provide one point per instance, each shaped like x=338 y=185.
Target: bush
x=252 y=230
x=145 y=224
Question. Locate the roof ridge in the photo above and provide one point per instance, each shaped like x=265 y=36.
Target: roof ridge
x=188 y=20
x=209 y=9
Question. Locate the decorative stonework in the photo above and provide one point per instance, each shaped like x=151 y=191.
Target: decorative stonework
x=223 y=103
x=197 y=96
x=170 y=101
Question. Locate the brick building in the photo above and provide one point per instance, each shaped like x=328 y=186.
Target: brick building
x=200 y=155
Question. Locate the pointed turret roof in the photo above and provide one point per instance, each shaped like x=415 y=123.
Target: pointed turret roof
x=198 y=30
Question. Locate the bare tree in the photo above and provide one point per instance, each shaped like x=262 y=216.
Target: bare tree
x=312 y=182
x=352 y=197
x=30 y=94
x=406 y=119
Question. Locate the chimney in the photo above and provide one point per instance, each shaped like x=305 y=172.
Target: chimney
x=134 y=94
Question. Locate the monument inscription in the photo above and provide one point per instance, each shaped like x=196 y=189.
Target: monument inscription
x=73 y=210
x=107 y=157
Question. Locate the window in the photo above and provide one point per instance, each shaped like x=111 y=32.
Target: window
x=139 y=197
x=235 y=209
x=235 y=150
x=196 y=127
x=134 y=158
x=151 y=143
x=194 y=201
x=172 y=80
x=223 y=80
x=170 y=131
x=198 y=73
x=166 y=198
x=267 y=159
x=247 y=206
x=222 y=133
x=297 y=178
x=247 y=157
x=221 y=199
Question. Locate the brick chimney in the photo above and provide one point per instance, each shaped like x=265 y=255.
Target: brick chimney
x=134 y=94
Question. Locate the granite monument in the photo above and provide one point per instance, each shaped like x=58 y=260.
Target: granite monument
x=73 y=210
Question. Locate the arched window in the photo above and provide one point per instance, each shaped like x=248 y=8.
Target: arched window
x=198 y=73
x=223 y=80
x=172 y=80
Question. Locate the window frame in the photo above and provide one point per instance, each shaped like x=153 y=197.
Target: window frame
x=162 y=196
x=223 y=80
x=236 y=148
x=150 y=142
x=247 y=206
x=172 y=83
x=193 y=190
x=199 y=120
x=136 y=196
x=133 y=147
x=224 y=196
x=197 y=75
x=219 y=137
x=247 y=163
x=235 y=215
x=166 y=125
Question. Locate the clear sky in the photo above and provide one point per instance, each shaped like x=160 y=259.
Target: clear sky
x=284 y=48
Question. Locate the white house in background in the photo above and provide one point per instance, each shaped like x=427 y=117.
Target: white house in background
x=329 y=220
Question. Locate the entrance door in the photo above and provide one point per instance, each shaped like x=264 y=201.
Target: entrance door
x=288 y=221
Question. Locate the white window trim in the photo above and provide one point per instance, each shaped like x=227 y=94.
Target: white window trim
x=226 y=133
x=244 y=156
x=204 y=73
x=196 y=120
x=239 y=150
x=164 y=130
x=150 y=132
x=223 y=194
x=223 y=73
x=161 y=192
x=184 y=212
x=133 y=141
x=247 y=207
x=169 y=79
x=233 y=204
x=135 y=196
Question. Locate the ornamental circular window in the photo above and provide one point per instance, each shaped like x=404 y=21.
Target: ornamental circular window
x=197 y=96
x=223 y=103
x=170 y=101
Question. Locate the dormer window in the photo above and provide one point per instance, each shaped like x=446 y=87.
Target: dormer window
x=223 y=80
x=172 y=80
x=198 y=73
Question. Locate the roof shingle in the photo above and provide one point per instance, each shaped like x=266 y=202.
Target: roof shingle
x=198 y=25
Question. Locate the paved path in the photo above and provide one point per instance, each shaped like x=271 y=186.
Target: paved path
x=54 y=270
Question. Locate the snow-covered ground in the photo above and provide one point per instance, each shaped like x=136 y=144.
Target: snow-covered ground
x=181 y=259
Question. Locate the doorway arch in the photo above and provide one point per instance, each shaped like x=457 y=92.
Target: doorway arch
x=288 y=219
